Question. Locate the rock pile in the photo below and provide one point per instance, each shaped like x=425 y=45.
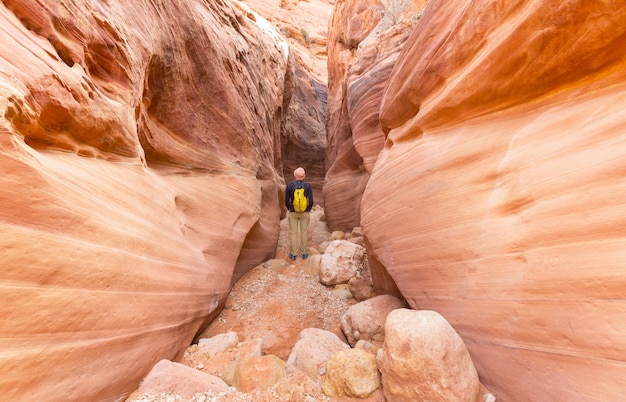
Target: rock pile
x=369 y=348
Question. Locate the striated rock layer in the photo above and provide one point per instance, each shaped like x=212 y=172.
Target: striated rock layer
x=303 y=142
x=140 y=175
x=365 y=39
x=497 y=199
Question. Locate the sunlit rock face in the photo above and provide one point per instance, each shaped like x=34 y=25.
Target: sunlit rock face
x=365 y=39
x=497 y=200
x=141 y=174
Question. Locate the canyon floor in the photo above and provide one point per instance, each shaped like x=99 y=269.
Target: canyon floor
x=275 y=301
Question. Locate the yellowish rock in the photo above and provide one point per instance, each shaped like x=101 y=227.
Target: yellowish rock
x=352 y=373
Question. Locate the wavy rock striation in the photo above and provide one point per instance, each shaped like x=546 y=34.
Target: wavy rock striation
x=364 y=41
x=496 y=200
x=141 y=174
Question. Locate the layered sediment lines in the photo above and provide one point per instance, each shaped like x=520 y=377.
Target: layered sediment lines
x=141 y=174
x=496 y=197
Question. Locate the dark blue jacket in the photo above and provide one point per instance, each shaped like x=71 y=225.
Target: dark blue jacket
x=308 y=193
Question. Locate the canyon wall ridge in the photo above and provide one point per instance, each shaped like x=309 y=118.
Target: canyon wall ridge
x=142 y=174
x=491 y=157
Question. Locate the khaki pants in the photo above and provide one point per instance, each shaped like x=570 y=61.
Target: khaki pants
x=301 y=218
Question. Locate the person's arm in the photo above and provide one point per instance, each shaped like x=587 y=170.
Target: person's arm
x=309 y=195
x=288 y=197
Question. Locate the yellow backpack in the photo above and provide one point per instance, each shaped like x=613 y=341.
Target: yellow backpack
x=299 y=200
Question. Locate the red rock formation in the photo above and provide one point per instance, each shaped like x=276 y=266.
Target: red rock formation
x=364 y=42
x=303 y=140
x=497 y=200
x=141 y=174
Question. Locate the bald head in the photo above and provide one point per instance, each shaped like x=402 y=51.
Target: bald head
x=299 y=173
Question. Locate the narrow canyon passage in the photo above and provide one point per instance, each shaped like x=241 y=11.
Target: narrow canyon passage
x=281 y=332
x=273 y=302
x=146 y=146
x=280 y=298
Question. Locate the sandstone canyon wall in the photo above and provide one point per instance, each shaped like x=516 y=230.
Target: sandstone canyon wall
x=497 y=199
x=141 y=172
x=303 y=141
x=364 y=40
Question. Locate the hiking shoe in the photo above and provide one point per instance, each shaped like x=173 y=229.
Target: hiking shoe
x=292 y=257
x=305 y=256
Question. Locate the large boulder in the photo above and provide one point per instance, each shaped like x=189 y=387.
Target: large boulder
x=424 y=359
x=340 y=262
x=255 y=373
x=311 y=352
x=170 y=377
x=351 y=373
x=366 y=320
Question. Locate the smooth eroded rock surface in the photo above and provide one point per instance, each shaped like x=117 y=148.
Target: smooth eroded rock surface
x=364 y=40
x=167 y=376
x=366 y=320
x=141 y=174
x=424 y=359
x=496 y=200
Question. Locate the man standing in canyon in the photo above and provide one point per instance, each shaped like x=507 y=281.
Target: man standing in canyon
x=298 y=200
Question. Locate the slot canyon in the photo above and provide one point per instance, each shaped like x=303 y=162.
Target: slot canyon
x=146 y=145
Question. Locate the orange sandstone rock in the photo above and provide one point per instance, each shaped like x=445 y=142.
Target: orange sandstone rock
x=496 y=200
x=141 y=172
x=365 y=39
